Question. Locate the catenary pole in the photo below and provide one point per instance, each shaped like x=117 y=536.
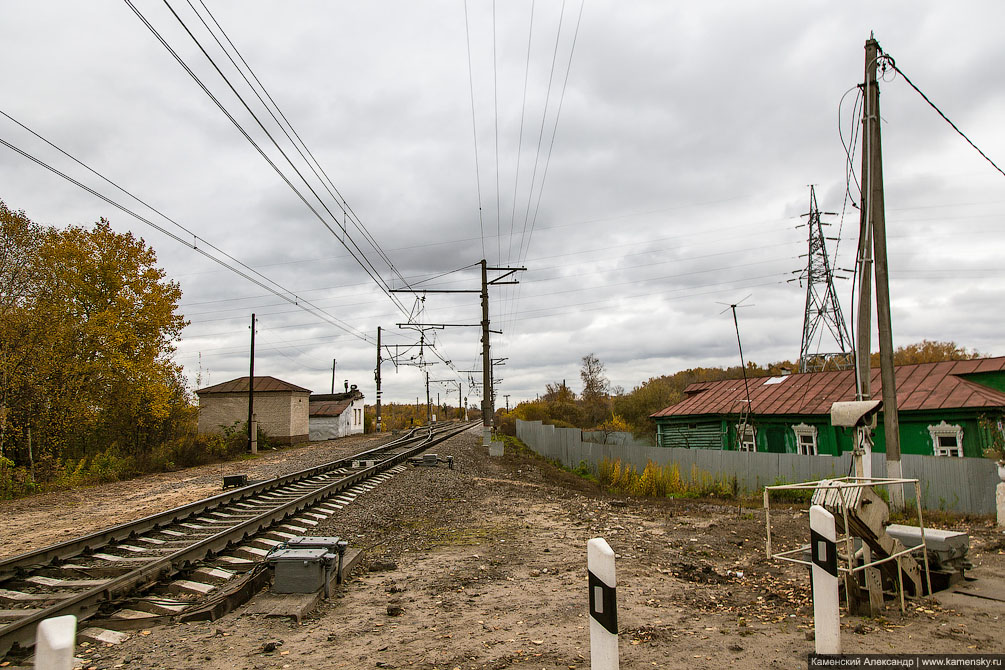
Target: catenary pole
x=487 y=410
x=251 y=392
x=377 y=375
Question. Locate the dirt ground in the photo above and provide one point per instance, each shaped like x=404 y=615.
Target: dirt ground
x=483 y=567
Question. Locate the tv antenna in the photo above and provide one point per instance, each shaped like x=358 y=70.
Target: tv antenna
x=745 y=413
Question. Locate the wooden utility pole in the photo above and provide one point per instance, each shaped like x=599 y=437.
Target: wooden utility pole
x=252 y=441
x=333 y=376
x=874 y=209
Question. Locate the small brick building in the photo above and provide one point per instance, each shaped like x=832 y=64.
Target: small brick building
x=281 y=408
x=336 y=415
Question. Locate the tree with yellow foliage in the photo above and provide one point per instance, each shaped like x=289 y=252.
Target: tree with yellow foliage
x=87 y=329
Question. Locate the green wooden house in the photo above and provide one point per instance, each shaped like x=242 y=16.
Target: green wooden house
x=939 y=407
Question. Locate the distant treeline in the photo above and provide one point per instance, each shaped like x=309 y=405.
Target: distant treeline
x=400 y=416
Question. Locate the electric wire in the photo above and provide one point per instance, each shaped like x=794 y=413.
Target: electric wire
x=378 y=279
x=540 y=138
x=519 y=143
x=474 y=128
x=374 y=275
x=285 y=294
x=495 y=104
x=326 y=180
x=896 y=69
x=554 y=131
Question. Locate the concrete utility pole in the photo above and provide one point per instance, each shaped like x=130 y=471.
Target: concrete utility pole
x=429 y=409
x=874 y=226
x=487 y=404
x=252 y=429
x=377 y=376
x=864 y=325
x=487 y=399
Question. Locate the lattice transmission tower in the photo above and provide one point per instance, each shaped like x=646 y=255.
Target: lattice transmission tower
x=823 y=310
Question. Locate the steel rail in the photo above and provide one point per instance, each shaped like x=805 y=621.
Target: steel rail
x=22 y=631
x=9 y=567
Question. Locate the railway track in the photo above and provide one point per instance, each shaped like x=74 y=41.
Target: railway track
x=168 y=563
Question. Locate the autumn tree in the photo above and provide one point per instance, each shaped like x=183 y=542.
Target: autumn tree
x=596 y=391
x=86 y=337
x=927 y=351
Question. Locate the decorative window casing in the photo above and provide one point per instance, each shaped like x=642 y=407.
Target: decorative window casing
x=947 y=440
x=806 y=439
x=747 y=437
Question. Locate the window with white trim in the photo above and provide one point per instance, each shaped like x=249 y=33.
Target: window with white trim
x=806 y=439
x=747 y=437
x=947 y=440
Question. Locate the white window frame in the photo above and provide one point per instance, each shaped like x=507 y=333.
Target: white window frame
x=944 y=429
x=747 y=445
x=803 y=430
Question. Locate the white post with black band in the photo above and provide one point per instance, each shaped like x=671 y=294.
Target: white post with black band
x=823 y=548
x=603 y=605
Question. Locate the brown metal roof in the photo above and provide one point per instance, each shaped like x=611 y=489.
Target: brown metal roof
x=262 y=385
x=925 y=386
x=329 y=407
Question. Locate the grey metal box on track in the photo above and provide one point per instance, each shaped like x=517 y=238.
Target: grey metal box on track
x=947 y=548
x=328 y=543
x=300 y=570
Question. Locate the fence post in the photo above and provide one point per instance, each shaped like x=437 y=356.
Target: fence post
x=823 y=548
x=603 y=605
x=55 y=640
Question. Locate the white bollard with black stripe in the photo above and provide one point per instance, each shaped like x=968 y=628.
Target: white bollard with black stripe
x=823 y=548
x=603 y=605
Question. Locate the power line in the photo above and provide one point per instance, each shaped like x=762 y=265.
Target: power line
x=474 y=128
x=283 y=293
x=554 y=131
x=372 y=272
x=495 y=103
x=519 y=143
x=540 y=137
x=339 y=198
x=889 y=59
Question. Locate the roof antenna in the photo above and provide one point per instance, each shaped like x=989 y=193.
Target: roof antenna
x=745 y=414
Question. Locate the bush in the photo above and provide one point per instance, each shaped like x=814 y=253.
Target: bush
x=15 y=481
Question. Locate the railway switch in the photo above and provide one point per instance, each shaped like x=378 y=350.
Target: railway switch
x=432 y=461
x=235 y=480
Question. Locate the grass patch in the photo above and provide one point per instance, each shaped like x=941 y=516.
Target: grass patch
x=664 y=481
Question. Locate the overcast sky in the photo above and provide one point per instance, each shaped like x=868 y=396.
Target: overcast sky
x=672 y=181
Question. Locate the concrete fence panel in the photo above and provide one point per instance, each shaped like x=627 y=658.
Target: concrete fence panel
x=965 y=485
